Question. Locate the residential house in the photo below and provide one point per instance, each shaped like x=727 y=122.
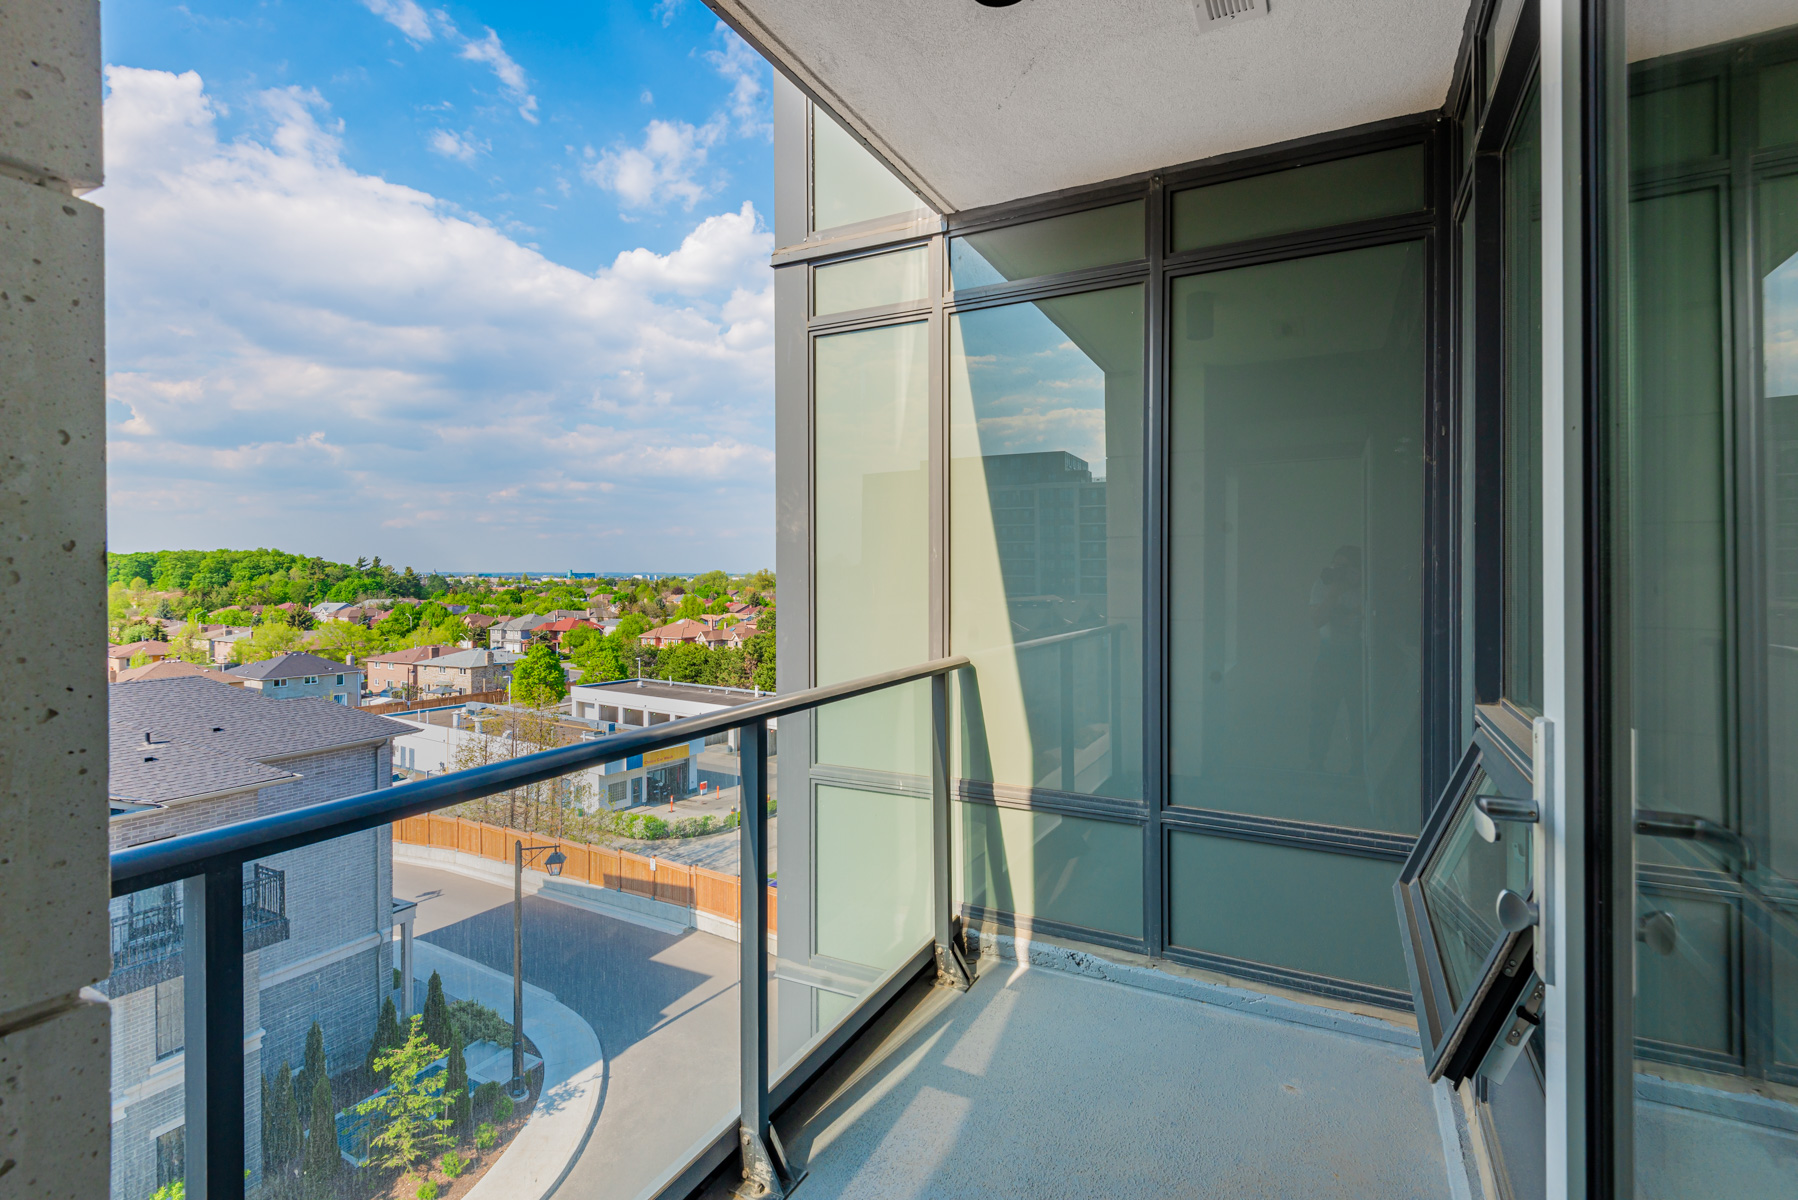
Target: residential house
x=515 y=636
x=221 y=640
x=673 y=634
x=118 y=658
x=398 y=672
x=174 y=668
x=301 y=675
x=327 y=610
x=188 y=755
x=554 y=631
x=466 y=672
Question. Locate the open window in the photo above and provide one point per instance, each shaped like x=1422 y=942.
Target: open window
x=1467 y=917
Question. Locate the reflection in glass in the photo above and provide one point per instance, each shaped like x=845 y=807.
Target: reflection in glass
x=871 y=530
x=1048 y=247
x=1325 y=914
x=1050 y=867
x=1045 y=540
x=1478 y=860
x=1297 y=517
x=865 y=282
x=849 y=185
x=1388 y=183
x=1708 y=544
x=1522 y=218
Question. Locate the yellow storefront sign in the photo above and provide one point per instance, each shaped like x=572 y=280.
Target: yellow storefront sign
x=656 y=758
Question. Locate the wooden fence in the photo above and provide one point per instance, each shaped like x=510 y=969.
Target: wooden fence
x=699 y=888
x=497 y=696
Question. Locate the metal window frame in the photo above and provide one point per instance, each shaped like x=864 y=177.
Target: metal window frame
x=1455 y=1037
x=796 y=328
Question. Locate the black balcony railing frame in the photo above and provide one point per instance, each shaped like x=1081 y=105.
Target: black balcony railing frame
x=210 y=863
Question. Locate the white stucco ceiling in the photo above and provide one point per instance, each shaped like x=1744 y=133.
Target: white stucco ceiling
x=975 y=106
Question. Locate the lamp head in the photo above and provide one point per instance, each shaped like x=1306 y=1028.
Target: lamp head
x=555 y=860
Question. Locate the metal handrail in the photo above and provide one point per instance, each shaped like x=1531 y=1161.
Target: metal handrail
x=210 y=865
x=138 y=867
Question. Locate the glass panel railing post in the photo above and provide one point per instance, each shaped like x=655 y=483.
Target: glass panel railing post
x=221 y=1071
x=950 y=967
x=193 y=1018
x=760 y=1166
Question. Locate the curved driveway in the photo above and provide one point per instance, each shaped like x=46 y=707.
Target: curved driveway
x=664 y=1007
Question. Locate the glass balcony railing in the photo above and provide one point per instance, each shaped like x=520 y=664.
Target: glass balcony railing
x=531 y=980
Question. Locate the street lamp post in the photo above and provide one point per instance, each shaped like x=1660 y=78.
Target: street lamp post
x=552 y=864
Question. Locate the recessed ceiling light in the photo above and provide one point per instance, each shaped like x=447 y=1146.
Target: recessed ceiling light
x=995 y=3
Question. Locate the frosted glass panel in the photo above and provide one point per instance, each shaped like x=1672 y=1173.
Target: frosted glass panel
x=1297 y=528
x=873 y=875
x=865 y=282
x=1045 y=540
x=1326 y=914
x=870 y=522
x=848 y=184
x=1053 y=867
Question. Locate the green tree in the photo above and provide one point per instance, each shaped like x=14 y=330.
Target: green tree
x=685 y=663
x=339 y=639
x=319 y=1167
x=268 y=640
x=691 y=606
x=280 y=1120
x=387 y=1036
x=312 y=1068
x=538 y=682
x=601 y=662
x=436 y=1015
x=455 y=1086
x=414 y=1113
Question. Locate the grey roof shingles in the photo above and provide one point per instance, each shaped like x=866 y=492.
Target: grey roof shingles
x=206 y=738
x=291 y=666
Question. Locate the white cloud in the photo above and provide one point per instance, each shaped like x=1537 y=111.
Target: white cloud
x=460 y=146
x=670 y=164
x=511 y=76
x=667 y=10
x=746 y=72
x=404 y=15
x=666 y=166
x=304 y=355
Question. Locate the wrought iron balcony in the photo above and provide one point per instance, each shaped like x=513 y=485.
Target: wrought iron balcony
x=148 y=940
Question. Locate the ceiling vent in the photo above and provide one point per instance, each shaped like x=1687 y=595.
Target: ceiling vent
x=1221 y=14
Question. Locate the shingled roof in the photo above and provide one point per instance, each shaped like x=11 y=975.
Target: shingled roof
x=290 y=666
x=204 y=739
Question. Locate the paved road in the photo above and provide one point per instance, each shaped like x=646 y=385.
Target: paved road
x=664 y=1007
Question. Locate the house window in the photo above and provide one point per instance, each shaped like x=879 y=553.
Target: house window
x=279 y=683
x=171 y=1157
x=171 y=1019
x=339 y=698
x=340 y=681
x=311 y=679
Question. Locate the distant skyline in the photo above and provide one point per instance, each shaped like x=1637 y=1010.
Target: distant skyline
x=431 y=282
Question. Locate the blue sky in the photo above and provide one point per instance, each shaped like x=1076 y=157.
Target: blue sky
x=472 y=286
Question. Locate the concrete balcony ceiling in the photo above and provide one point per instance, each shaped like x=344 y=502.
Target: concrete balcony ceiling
x=974 y=106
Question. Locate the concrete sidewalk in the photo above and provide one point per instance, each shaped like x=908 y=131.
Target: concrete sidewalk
x=574 y=1075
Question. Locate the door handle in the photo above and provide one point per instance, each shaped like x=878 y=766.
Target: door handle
x=1689 y=827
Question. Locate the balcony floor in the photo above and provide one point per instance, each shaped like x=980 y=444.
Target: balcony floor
x=1042 y=1083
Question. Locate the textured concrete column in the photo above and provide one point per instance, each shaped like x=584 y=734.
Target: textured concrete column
x=54 y=1036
